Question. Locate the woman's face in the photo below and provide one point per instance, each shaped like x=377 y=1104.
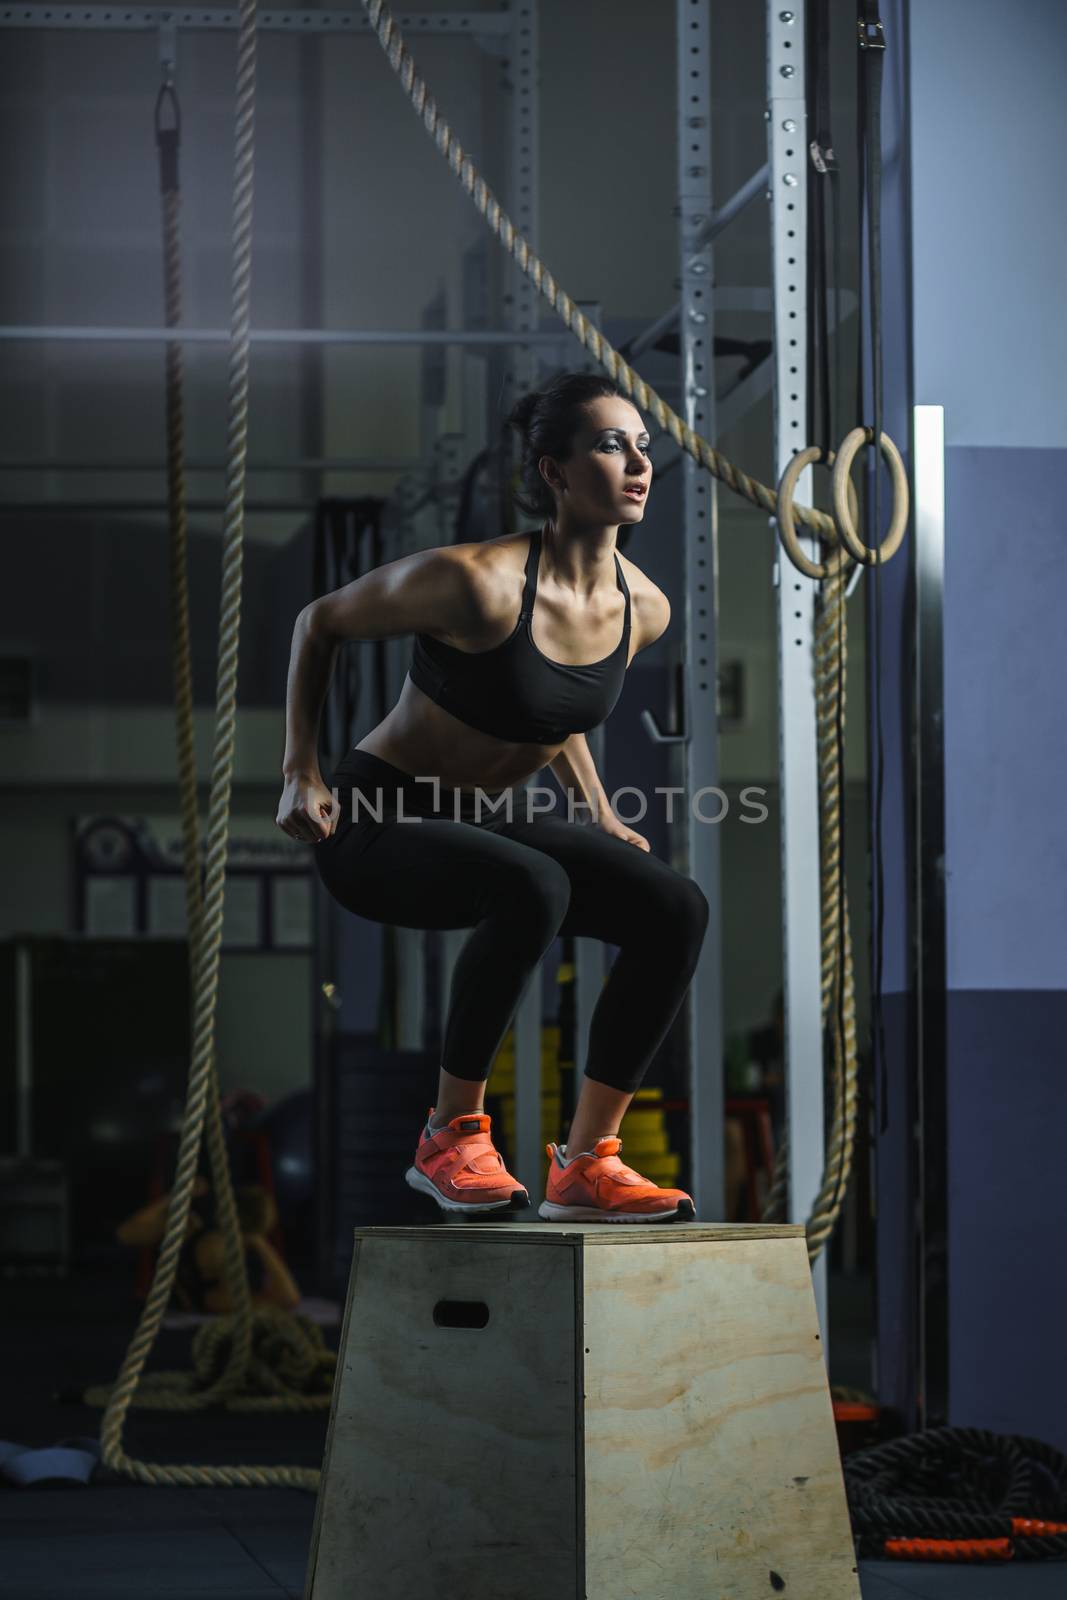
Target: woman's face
x=606 y=478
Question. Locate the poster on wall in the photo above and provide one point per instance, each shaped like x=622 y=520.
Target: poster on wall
x=129 y=881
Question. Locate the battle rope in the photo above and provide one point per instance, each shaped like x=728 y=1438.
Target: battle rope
x=232 y=1351
x=830 y=646
x=958 y=1494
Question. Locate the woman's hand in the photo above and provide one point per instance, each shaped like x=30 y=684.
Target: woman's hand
x=306 y=810
x=609 y=823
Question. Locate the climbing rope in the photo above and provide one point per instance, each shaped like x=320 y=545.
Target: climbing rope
x=830 y=650
x=263 y=1360
x=830 y=641
x=831 y=654
x=817 y=522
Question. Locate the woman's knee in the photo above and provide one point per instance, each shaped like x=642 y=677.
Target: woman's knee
x=696 y=908
x=539 y=890
x=684 y=913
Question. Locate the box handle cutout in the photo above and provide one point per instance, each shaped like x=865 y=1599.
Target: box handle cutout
x=461 y=1313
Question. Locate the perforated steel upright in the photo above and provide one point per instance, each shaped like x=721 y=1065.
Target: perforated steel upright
x=699 y=736
x=590 y=955
x=787 y=150
x=528 y=1154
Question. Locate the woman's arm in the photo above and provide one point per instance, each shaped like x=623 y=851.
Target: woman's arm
x=574 y=767
x=576 y=770
x=652 y=613
x=148 y=1225
x=430 y=591
x=311 y=665
x=279 y=1287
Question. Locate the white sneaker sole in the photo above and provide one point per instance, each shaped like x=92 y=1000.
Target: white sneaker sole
x=517 y=1201
x=556 y=1213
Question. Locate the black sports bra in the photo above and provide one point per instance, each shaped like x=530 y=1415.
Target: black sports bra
x=513 y=691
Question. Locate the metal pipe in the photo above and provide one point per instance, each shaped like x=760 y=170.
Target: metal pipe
x=141 y=18
x=716 y=223
x=721 y=219
x=82 y=508
x=798 y=749
x=298 y=336
x=664 y=324
x=694 y=763
x=301 y=464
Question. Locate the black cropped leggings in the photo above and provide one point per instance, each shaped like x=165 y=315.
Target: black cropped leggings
x=516 y=884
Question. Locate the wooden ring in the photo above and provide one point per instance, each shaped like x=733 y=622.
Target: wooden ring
x=787 y=523
x=843 y=514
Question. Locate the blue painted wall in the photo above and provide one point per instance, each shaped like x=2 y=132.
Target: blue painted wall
x=1006 y=723
x=989 y=229
x=990 y=345
x=974 y=252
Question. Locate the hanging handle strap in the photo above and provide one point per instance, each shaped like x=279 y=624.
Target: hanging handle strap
x=168 y=138
x=872 y=55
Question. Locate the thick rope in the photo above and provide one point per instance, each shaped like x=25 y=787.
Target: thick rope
x=958 y=1494
x=237 y=1363
x=830 y=627
x=830 y=638
x=234 y=1263
x=830 y=661
x=288 y=1368
x=488 y=205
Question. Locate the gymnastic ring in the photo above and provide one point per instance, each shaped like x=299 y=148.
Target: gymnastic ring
x=787 y=524
x=845 y=525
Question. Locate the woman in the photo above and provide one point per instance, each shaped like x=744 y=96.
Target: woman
x=200 y=1279
x=488 y=702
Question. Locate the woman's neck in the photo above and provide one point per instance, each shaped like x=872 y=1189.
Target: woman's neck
x=579 y=560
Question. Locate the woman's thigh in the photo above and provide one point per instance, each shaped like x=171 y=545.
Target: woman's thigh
x=615 y=887
x=431 y=873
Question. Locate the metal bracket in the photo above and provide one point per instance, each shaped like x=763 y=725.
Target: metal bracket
x=168 y=49
x=822 y=157
x=658 y=735
x=869 y=41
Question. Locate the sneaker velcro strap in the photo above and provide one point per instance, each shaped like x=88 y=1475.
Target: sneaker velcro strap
x=607 y=1147
x=471 y=1124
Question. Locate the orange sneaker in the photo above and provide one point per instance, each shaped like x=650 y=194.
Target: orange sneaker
x=597 y=1187
x=457 y=1166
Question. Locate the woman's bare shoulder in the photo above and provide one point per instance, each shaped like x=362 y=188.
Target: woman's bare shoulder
x=651 y=608
x=500 y=554
x=494 y=566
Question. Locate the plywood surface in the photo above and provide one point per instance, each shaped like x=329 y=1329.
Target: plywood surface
x=658 y=1234
x=451 y=1450
x=711 y=1462
x=649 y=1416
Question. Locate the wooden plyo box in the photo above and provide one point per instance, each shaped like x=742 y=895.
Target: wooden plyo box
x=586 y=1412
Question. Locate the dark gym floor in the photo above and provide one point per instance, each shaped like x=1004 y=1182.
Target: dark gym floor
x=125 y=1542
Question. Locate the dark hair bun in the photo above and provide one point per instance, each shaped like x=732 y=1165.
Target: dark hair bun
x=546 y=422
x=521 y=414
